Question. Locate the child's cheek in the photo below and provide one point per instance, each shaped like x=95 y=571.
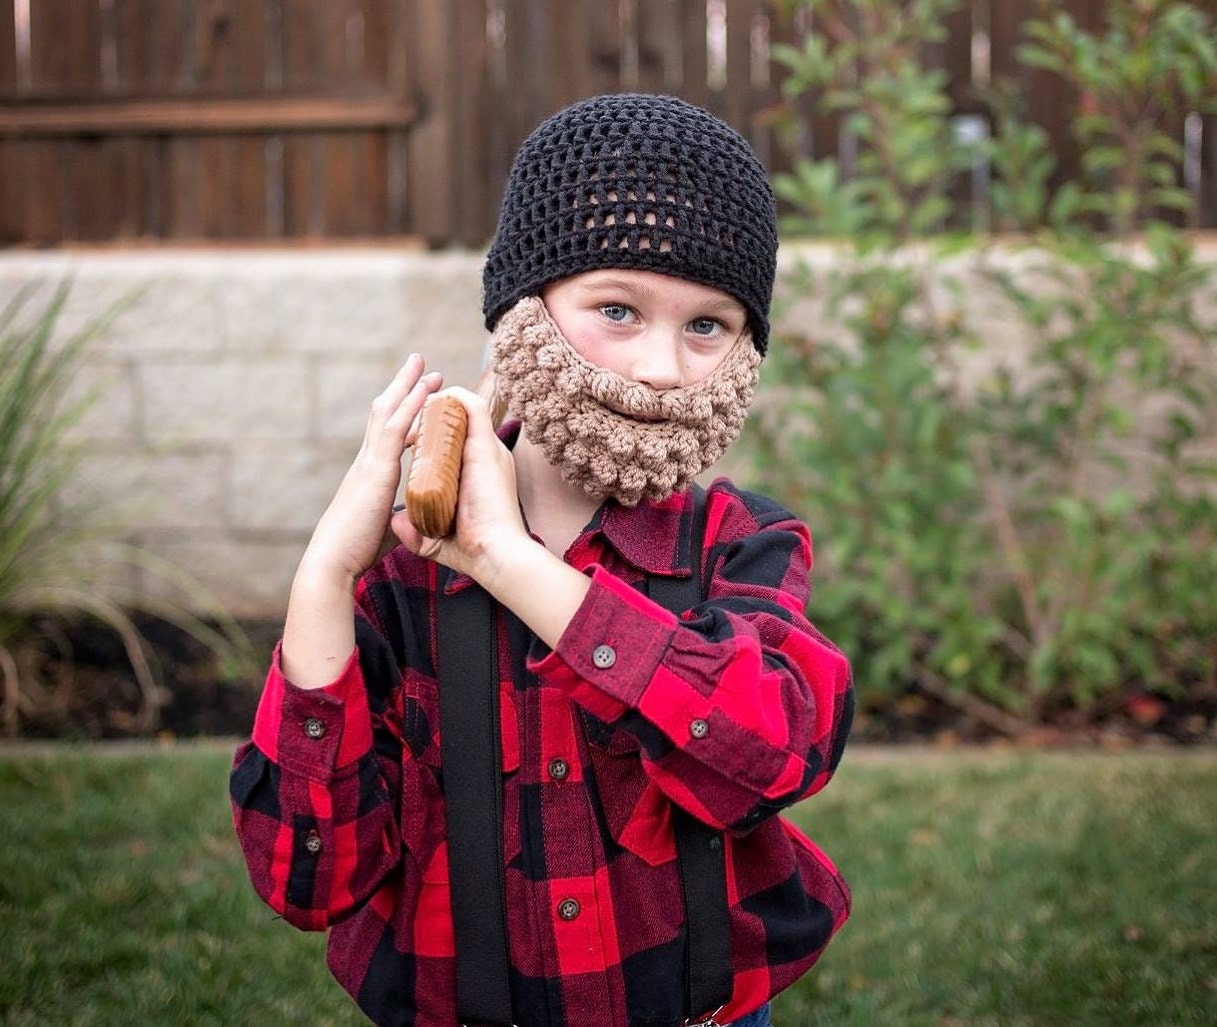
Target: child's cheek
x=588 y=339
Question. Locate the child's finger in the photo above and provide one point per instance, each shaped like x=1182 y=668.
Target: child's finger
x=407 y=414
x=394 y=410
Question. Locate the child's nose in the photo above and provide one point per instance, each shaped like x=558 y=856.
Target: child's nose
x=658 y=363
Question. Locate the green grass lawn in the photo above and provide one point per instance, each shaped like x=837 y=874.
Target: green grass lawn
x=990 y=887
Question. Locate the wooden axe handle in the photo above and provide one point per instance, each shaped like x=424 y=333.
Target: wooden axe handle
x=434 y=479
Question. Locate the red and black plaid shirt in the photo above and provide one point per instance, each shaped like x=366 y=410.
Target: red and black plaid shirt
x=340 y=810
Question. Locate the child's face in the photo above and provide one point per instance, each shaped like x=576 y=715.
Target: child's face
x=662 y=331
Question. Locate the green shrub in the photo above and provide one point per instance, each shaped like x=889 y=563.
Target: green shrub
x=56 y=564
x=1155 y=61
x=1027 y=535
x=865 y=68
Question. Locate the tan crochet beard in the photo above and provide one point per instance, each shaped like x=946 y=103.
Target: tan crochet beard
x=606 y=434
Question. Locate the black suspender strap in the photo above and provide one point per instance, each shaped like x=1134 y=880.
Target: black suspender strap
x=473 y=790
x=472 y=776
x=709 y=977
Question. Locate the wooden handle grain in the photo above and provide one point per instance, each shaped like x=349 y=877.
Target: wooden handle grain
x=435 y=468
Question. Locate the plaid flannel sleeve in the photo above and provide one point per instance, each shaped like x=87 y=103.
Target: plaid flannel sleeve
x=314 y=790
x=741 y=707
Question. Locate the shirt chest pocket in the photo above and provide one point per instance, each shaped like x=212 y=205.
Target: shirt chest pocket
x=423 y=816
x=421 y=726
x=637 y=814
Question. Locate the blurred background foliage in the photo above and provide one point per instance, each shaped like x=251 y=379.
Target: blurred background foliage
x=1024 y=533
x=66 y=581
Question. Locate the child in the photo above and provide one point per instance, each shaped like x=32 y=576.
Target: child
x=628 y=289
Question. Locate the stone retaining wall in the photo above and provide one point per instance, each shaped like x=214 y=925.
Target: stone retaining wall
x=231 y=390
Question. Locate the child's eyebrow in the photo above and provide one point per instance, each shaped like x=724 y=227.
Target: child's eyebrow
x=725 y=303
x=597 y=285
x=616 y=284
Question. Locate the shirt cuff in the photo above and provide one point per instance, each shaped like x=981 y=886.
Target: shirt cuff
x=314 y=731
x=611 y=648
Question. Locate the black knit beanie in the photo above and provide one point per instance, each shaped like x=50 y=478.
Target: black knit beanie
x=635 y=181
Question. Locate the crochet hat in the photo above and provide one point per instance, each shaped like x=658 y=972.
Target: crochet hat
x=635 y=181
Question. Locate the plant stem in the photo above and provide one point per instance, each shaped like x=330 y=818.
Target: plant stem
x=987 y=713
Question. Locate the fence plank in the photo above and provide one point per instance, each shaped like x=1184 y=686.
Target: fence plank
x=694 y=82
x=303 y=156
x=307 y=104
x=13 y=191
x=339 y=43
x=377 y=38
x=738 y=102
x=1044 y=95
x=144 y=51
x=583 y=62
x=608 y=26
x=955 y=56
x=474 y=201
x=65 y=47
x=302 y=185
x=766 y=95
x=397 y=82
x=8 y=50
x=660 y=41
x=220 y=172
x=823 y=129
x=529 y=34
x=1206 y=208
x=790 y=119
x=12 y=155
x=154 y=46
x=429 y=197
x=66 y=178
x=249 y=27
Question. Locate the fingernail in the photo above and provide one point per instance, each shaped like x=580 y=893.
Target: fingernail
x=399 y=507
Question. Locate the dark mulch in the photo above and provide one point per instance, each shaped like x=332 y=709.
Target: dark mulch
x=85 y=671
x=89 y=690
x=1131 y=720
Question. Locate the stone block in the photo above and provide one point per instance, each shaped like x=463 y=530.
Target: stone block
x=338 y=304
x=282 y=488
x=155 y=311
x=238 y=400
x=110 y=411
x=248 y=578
x=443 y=300
x=129 y=490
x=345 y=390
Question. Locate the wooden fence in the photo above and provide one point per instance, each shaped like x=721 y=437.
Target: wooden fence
x=276 y=120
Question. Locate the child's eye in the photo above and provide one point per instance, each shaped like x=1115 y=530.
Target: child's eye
x=704 y=326
x=615 y=312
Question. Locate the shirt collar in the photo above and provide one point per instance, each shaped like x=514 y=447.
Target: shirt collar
x=652 y=536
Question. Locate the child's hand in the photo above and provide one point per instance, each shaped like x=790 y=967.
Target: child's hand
x=348 y=537
x=488 y=508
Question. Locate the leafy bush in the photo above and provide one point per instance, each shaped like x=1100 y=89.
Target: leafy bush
x=1154 y=62
x=56 y=565
x=1026 y=535
x=866 y=69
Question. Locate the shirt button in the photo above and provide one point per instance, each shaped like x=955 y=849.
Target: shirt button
x=699 y=728
x=568 y=909
x=558 y=768
x=314 y=728
x=604 y=656
x=312 y=842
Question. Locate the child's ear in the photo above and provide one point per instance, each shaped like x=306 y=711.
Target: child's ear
x=490 y=390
